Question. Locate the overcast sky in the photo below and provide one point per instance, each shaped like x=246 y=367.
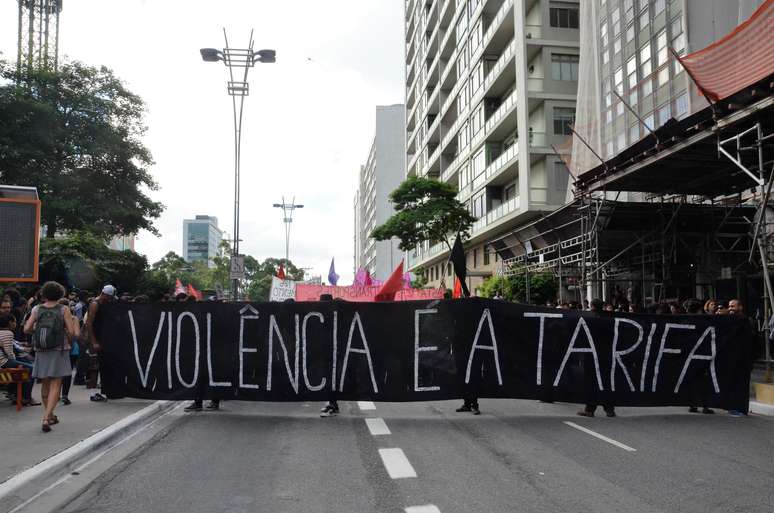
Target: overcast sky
x=309 y=119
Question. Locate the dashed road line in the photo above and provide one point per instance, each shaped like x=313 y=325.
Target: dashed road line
x=377 y=426
x=366 y=405
x=396 y=463
x=601 y=437
x=427 y=508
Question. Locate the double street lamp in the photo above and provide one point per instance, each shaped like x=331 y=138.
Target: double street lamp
x=287 y=210
x=237 y=59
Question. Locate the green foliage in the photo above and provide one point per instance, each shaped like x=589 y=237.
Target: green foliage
x=425 y=210
x=419 y=281
x=83 y=261
x=543 y=287
x=75 y=134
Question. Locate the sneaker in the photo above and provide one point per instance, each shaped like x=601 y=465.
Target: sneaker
x=735 y=413
x=66 y=401
x=463 y=408
x=610 y=413
x=707 y=411
x=584 y=413
x=693 y=409
x=325 y=408
x=330 y=412
x=97 y=398
x=213 y=405
x=475 y=410
x=193 y=407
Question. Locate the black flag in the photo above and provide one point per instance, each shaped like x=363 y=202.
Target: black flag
x=457 y=258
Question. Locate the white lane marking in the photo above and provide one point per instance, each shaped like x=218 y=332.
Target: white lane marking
x=427 y=508
x=366 y=405
x=377 y=426
x=396 y=463
x=601 y=437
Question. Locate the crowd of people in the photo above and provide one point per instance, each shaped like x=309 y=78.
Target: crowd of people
x=52 y=333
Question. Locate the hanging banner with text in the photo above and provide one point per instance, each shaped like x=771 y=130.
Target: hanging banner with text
x=282 y=290
x=361 y=293
x=422 y=350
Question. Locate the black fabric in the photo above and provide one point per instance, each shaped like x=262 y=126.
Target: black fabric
x=457 y=257
x=417 y=351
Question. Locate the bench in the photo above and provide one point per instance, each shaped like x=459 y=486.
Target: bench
x=16 y=376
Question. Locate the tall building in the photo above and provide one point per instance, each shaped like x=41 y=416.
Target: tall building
x=625 y=49
x=201 y=239
x=379 y=176
x=490 y=88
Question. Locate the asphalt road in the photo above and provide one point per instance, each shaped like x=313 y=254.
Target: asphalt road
x=518 y=456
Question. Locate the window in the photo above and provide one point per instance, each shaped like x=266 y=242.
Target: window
x=644 y=19
x=619 y=109
x=663 y=76
x=647 y=87
x=462 y=137
x=616 y=45
x=476 y=34
x=661 y=44
x=603 y=33
x=649 y=121
x=658 y=6
x=634 y=133
x=615 y=21
x=475 y=258
x=681 y=105
x=605 y=56
x=564 y=117
x=509 y=193
x=486 y=256
x=564 y=17
x=621 y=141
x=564 y=67
x=478 y=163
x=630 y=33
x=478 y=206
x=633 y=98
x=618 y=83
x=477 y=120
x=664 y=113
x=677 y=26
x=645 y=52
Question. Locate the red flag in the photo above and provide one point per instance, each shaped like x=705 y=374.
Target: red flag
x=393 y=284
x=367 y=282
x=179 y=289
x=193 y=292
x=281 y=273
x=457 y=288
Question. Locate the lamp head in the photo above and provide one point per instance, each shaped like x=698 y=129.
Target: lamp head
x=211 y=54
x=277 y=205
x=265 y=56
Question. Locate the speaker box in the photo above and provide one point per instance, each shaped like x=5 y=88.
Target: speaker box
x=19 y=239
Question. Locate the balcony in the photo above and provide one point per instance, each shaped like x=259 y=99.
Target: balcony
x=506 y=107
x=501 y=63
x=488 y=44
x=454 y=166
x=533 y=31
x=493 y=216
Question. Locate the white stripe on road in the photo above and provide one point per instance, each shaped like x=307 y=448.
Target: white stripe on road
x=377 y=426
x=428 y=508
x=366 y=405
x=601 y=437
x=396 y=463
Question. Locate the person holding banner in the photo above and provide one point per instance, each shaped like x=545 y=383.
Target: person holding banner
x=588 y=411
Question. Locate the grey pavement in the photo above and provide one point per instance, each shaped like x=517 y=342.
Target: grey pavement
x=518 y=456
x=25 y=445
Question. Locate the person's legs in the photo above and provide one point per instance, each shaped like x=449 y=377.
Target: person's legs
x=67 y=381
x=44 y=387
x=588 y=410
x=54 y=386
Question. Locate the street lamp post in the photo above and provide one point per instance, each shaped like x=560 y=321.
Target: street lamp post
x=244 y=58
x=287 y=210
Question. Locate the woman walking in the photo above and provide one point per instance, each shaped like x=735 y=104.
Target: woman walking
x=51 y=324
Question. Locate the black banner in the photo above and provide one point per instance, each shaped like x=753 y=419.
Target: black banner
x=420 y=351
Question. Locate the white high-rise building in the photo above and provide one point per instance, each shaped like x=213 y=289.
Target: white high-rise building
x=381 y=174
x=490 y=88
x=201 y=239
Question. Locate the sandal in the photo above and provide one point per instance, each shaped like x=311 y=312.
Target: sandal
x=53 y=419
x=45 y=427
x=31 y=402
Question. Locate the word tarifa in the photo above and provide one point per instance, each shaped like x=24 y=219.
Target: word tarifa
x=356 y=345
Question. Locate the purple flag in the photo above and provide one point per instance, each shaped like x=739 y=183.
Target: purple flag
x=333 y=278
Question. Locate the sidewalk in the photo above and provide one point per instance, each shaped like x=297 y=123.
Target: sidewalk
x=26 y=445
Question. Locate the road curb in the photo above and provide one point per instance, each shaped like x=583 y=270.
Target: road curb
x=70 y=458
x=762 y=408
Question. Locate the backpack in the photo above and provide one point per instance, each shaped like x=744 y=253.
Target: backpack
x=49 y=331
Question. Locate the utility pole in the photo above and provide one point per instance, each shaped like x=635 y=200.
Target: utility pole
x=287 y=210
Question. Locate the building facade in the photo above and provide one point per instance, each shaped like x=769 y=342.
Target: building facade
x=201 y=239
x=490 y=90
x=381 y=174
x=630 y=79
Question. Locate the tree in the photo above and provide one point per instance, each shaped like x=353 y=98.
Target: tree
x=81 y=260
x=75 y=134
x=425 y=210
x=260 y=279
x=543 y=287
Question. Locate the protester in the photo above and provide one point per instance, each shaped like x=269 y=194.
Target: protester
x=107 y=295
x=332 y=407
x=8 y=358
x=711 y=306
x=50 y=324
x=591 y=407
